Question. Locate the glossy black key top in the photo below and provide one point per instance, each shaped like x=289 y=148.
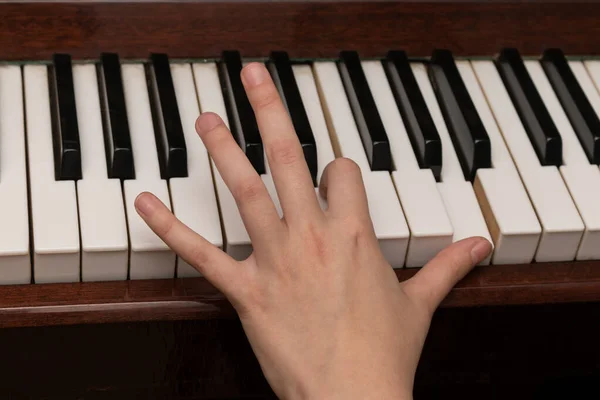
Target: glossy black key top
x=239 y=111
x=580 y=112
x=423 y=134
x=368 y=121
x=469 y=137
x=283 y=75
x=65 y=129
x=117 y=139
x=170 y=141
x=529 y=105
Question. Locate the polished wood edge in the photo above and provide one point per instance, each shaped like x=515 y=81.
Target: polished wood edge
x=36 y=30
x=195 y=298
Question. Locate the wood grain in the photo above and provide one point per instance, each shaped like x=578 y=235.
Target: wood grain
x=35 y=30
x=195 y=298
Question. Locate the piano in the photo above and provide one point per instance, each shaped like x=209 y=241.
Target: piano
x=466 y=118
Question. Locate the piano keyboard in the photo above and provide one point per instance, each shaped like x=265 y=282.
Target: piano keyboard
x=504 y=148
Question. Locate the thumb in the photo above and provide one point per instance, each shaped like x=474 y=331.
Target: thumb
x=435 y=280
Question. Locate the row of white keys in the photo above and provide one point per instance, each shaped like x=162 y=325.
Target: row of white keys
x=150 y=257
x=104 y=239
x=581 y=178
x=457 y=193
x=193 y=197
x=385 y=209
x=510 y=217
x=562 y=227
x=430 y=227
x=15 y=264
x=54 y=215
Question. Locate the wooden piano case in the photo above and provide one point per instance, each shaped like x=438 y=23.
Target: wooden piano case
x=506 y=331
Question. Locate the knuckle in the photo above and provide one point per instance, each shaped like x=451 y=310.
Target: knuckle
x=249 y=191
x=265 y=97
x=166 y=226
x=356 y=227
x=284 y=152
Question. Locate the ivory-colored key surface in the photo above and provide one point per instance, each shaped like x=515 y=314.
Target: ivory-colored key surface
x=53 y=203
x=104 y=239
x=510 y=217
x=581 y=177
x=194 y=198
x=562 y=227
x=385 y=209
x=15 y=264
x=457 y=193
x=430 y=227
x=150 y=257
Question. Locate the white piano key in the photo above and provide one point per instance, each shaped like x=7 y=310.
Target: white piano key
x=53 y=203
x=457 y=193
x=194 y=199
x=15 y=264
x=104 y=241
x=386 y=211
x=581 y=177
x=562 y=227
x=510 y=216
x=583 y=71
x=150 y=257
x=237 y=241
x=430 y=227
x=312 y=104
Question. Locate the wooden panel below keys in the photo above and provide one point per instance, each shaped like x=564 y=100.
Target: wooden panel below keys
x=195 y=298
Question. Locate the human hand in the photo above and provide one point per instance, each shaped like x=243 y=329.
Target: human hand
x=323 y=310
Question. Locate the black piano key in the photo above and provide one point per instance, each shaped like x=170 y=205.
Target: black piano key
x=368 y=121
x=170 y=141
x=529 y=105
x=469 y=137
x=65 y=129
x=421 y=130
x=117 y=138
x=580 y=112
x=243 y=122
x=283 y=75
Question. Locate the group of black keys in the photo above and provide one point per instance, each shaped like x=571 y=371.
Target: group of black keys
x=465 y=127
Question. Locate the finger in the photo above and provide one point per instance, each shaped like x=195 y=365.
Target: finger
x=288 y=167
x=252 y=198
x=219 y=268
x=435 y=280
x=343 y=187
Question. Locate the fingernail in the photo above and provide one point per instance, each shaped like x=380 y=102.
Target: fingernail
x=254 y=74
x=481 y=250
x=146 y=204
x=207 y=122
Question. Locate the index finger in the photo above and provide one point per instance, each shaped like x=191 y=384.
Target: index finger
x=285 y=156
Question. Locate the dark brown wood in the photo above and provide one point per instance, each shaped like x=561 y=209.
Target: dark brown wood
x=35 y=30
x=504 y=352
x=195 y=298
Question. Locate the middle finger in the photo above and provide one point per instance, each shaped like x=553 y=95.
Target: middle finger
x=290 y=172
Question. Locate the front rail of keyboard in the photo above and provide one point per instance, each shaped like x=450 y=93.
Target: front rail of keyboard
x=195 y=298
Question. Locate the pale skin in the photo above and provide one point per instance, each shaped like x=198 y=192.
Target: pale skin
x=322 y=308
